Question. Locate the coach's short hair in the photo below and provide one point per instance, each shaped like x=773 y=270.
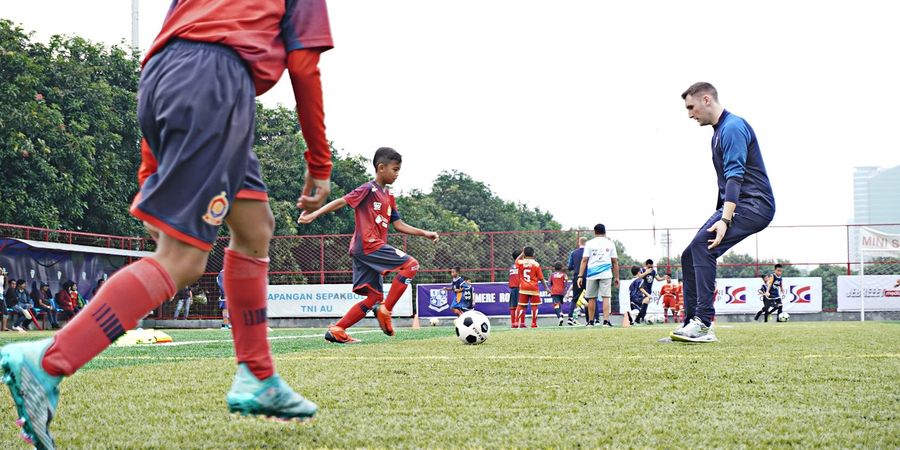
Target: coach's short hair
x=385 y=155
x=701 y=87
x=529 y=252
x=599 y=229
x=582 y=240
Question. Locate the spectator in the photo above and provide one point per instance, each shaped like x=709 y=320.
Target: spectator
x=75 y=298
x=64 y=300
x=96 y=289
x=184 y=300
x=9 y=303
x=24 y=308
x=43 y=299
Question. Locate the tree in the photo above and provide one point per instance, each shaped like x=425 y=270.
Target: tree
x=829 y=274
x=69 y=140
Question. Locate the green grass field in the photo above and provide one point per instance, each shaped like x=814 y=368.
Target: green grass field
x=801 y=384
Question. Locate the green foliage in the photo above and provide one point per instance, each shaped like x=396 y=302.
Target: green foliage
x=829 y=274
x=740 y=265
x=475 y=201
x=69 y=141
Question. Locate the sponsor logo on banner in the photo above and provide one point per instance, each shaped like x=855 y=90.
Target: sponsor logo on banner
x=735 y=294
x=800 y=294
x=892 y=292
x=438 y=300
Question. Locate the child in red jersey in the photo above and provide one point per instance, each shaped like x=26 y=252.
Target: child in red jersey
x=558 y=281
x=374 y=208
x=530 y=275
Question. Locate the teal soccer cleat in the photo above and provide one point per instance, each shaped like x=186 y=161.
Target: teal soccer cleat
x=271 y=397
x=34 y=391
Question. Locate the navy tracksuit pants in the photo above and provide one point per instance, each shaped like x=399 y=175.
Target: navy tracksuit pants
x=699 y=263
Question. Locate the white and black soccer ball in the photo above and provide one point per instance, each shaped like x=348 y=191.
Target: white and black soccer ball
x=434 y=321
x=784 y=317
x=650 y=319
x=473 y=327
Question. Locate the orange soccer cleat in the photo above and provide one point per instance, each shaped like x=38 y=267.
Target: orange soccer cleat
x=383 y=315
x=338 y=335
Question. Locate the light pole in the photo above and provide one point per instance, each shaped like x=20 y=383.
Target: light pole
x=134 y=27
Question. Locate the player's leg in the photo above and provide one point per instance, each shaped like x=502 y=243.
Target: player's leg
x=520 y=309
x=367 y=282
x=513 y=303
x=245 y=278
x=535 y=304
x=557 y=308
x=406 y=268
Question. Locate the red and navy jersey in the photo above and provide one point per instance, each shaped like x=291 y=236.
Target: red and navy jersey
x=513 y=277
x=258 y=30
x=374 y=209
x=305 y=25
x=558 y=283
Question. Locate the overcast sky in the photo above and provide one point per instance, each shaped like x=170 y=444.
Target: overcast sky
x=574 y=106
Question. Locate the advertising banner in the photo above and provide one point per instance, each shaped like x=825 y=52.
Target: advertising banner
x=740 y=295
x=882 y=292
x=323 y=300
x=492 y=299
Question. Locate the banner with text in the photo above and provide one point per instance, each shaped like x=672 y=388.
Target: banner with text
x=882 y=292
x=877 y=243
x=492 y=299
x=740 y=296
x=323 y=300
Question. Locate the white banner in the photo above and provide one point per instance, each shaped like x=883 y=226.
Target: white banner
x=740 y=295
x=876 y=243
x=323 y=300
x=882 y=292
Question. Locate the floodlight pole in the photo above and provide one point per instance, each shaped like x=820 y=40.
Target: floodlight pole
x=134 y=26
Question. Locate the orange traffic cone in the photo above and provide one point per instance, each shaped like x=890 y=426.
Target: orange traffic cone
x=415 y=324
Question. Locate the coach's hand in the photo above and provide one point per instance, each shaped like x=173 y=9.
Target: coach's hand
x=719 y=228
x=314 y=194
x=580 y=282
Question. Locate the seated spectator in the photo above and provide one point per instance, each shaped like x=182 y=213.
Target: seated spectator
x=24 y=308
x=43 y=300
x=9 y=303
x=64 y=301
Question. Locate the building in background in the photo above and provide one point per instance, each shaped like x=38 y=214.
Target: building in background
x=876 y=200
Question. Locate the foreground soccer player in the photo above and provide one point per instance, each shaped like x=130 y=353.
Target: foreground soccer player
x=373 y=257
x=745 y=206
x=196 y=110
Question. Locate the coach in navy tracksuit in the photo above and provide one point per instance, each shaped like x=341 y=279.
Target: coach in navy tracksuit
x=745 y=206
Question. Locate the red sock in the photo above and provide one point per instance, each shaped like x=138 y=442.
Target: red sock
x=520 y=315
x=512 y=316
x=124 y=299
x=404 y=276
x=359 y=310
x=245 y=280
x=534 y=312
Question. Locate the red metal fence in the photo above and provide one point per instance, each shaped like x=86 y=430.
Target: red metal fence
x=486 y=256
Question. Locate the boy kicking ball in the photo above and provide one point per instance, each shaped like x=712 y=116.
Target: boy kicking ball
x=374 y=209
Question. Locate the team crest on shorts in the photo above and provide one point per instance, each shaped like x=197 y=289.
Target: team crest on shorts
x=217 y=209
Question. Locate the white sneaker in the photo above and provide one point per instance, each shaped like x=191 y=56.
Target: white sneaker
x=19 y=329
x=694 y=331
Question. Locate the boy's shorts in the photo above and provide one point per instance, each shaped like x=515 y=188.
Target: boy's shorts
x=598 y=288
x=461 y=306
x=526 y=299
x=557 y=298
x=196 y=109
x=669 y=301
x=513 y=297
x=369 y=270
x=221 y=303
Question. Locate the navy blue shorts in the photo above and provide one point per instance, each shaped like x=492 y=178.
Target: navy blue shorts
x=557 y=298
x=196 y=109
x=460 y=305
x=222 y=304
x=369 y=270
x=513 y=297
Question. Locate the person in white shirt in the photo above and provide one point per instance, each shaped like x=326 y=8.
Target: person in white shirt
x=599 y=272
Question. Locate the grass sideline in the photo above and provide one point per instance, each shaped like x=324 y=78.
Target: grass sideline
x=803 y=384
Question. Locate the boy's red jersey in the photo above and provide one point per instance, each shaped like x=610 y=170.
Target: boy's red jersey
x=513 y=277
x=558 y=283
x=529 y=276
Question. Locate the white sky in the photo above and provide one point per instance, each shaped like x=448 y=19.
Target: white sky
x=569 y=105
